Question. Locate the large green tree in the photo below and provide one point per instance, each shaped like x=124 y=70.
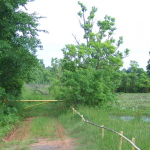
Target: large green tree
x=91 y=69
x=18 y=43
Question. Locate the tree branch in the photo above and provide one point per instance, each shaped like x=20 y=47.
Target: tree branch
x=40 y=92
x=76 y=39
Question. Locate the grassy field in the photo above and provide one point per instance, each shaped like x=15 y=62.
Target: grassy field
x=124 y=115
x=135 y=102
x=87 y=136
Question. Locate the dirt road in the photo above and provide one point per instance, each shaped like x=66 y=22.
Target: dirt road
x=20 y=133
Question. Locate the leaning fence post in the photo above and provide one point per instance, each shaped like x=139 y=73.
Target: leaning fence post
x=102 y=131
x=133 y=141
x=120 y=141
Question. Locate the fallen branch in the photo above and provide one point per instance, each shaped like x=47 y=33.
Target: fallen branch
x=40 y=92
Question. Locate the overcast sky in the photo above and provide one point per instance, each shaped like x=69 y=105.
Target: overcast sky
x=132 y=22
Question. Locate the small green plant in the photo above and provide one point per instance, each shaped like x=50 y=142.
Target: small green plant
x=8 y=117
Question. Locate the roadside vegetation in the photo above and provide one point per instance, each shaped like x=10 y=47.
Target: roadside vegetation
x=89 y=77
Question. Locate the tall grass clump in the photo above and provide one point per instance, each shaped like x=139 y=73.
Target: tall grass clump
x=42 y=127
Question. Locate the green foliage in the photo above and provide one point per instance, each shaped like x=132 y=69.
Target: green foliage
x=8 y=117
x=90 y=70
x=87 y=86
x=148 y=68
x=18 y=43
x=39 y=74
x=2 y=93
x=134 y=80
x=56 y=74
x=144 y=83
x=55 y=89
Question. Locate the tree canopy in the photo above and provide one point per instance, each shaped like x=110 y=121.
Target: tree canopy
x=90 y=70
x=18 y=43
x=134 y=79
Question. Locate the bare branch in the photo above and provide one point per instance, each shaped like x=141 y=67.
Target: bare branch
x=25 y=8
x=40 y=92
x=80 y=22
x=76 y=39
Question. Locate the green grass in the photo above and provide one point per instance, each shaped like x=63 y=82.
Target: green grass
x=132 y=104
x=43 y=124
x=89 y=137
x=42 y=127
x=17 y=145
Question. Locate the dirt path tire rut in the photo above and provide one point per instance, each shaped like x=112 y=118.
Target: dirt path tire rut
x=61 y=142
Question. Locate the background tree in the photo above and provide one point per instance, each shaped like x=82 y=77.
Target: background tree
x=125 y=82
x=134 y=80
x=18 y=43
x=91 y=69
x=56 y=75
x=39 y=74
x=133 y=75
x=144 y=83
x=148 y=67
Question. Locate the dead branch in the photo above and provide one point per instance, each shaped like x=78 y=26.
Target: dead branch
x=40 y=92
x=76 y=39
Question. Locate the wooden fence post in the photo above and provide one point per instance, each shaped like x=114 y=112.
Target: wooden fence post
x=120 y=141
x=133 y=141
x=102 y=131
x=82 y=117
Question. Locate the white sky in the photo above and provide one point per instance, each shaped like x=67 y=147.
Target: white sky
x=132 y=22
